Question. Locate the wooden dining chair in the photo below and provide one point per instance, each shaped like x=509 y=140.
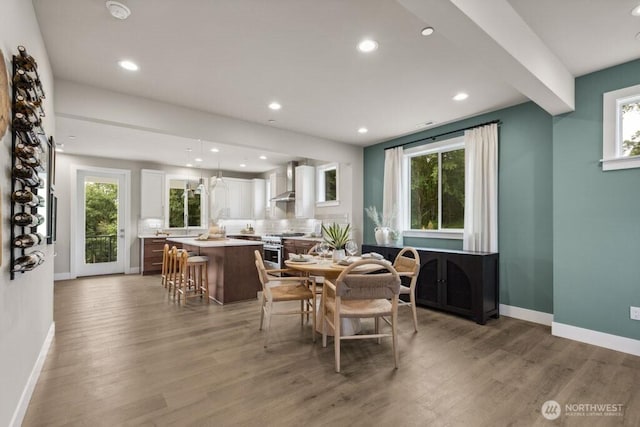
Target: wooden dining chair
x=281 y=289
x=408 y=267
x=361 y=296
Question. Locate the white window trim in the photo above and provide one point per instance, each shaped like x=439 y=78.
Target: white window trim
x=203 y=203
x=611 y=126
x=450 y=144
x=320 y=170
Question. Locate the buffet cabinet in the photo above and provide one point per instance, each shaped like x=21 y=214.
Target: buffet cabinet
x=459 y=282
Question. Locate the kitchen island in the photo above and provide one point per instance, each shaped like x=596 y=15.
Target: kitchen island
x=232 y=270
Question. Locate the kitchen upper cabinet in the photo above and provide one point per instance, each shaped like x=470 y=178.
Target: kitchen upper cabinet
x=259 y=198
x=305 y=192
x=277 y=184
x=152 y=192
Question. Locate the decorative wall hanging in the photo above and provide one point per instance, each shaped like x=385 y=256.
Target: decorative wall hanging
x=5 y=105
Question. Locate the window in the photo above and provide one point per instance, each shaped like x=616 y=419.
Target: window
x=435 y=176
x=327 y=187
x=621 y=129
x=185 y=203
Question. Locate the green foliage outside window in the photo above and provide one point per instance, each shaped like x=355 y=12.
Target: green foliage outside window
x=101 y=222
x=426 y=172
x=177 y=208
x=330 y=185
x=631 y=117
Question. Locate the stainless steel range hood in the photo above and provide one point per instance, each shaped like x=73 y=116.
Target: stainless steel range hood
x=290 y=194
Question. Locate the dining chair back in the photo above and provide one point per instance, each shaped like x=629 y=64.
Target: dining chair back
x=283 y=289
x=408 y=267
x=361 y=296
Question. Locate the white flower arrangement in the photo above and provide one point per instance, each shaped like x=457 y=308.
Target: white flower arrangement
x=378 y=219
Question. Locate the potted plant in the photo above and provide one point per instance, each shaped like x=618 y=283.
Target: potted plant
x=337 y=236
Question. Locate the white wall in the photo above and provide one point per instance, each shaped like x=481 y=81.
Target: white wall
x=26 y=303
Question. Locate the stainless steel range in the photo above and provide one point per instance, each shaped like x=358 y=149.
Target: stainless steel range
x=272 y=249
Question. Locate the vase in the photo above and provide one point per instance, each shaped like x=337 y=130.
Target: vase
x=338 y=255
x=383 y=235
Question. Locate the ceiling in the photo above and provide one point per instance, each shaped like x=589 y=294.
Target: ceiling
x=234 y=57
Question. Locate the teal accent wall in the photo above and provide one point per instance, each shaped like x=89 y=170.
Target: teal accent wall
x=596 y=226
x=525 y=223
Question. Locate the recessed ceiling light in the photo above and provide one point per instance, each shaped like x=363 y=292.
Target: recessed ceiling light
x=128 y=65
x=189 y=165
x=427 y=31
x=198 y=159
x=363 y=130
x=425 y=124
x=275 y=106
x=460 y=96
x=367 y=45
x=214 y=150
x=636 y=11
x=271 y=121
x=118 y=10
x=72 y=137
x=59 y=150
x=263 y=157
x=242 y=165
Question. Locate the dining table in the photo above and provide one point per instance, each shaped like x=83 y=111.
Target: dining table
x=330 y=270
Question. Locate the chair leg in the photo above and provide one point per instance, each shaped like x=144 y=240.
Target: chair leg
x=313 y=317
x=377 y=328
x=301 y=312
x=394 y=333
x=268 y=328
x=262 y=311
x=336 y=338
x=205 y=281
x=415 y=314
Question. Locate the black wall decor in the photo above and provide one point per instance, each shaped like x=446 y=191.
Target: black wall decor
x=31 y=162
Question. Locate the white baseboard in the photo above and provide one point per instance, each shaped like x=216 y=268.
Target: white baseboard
x=134 y=270
x=23 y=404
x=601 y=339
x=62 y=276
x=526 y=314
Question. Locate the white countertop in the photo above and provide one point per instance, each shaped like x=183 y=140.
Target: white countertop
x=162 y=236
x=212 y=243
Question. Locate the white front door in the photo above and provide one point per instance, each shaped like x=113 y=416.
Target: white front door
x=100 y=227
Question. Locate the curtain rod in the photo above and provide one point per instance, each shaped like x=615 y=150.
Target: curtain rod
x=443 y=134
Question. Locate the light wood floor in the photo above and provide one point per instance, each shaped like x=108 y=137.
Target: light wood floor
x=125 y=354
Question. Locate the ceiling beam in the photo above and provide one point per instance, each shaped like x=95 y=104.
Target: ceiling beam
x=492 y=34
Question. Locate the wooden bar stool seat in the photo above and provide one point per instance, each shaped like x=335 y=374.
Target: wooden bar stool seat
x=196 y=282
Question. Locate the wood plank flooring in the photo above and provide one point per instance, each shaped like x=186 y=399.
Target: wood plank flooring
x=125 y=354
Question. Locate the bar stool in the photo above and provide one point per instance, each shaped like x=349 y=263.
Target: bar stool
x=174 y=272
x=165 y=265
x=196 y=281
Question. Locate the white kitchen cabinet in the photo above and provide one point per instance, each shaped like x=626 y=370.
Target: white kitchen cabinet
x=234 y=202
x=152 y=193
x=259 y=199
x=278 y=184
x=305 y=192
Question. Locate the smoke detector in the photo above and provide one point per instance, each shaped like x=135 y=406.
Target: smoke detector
x=118 y=10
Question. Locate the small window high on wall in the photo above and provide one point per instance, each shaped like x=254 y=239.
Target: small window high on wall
x=621 y=129
x=435 y=194
x=327 y=185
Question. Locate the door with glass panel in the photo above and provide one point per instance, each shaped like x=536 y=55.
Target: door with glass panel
x=101 y=223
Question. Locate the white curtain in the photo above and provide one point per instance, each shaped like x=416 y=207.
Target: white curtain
x=392 y=192
x=481 y=189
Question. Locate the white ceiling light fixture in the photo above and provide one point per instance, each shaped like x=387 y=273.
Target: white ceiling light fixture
x=128 y=65
x=275 y=106
x=214 y=150
x=242 y=165
x=461 y=96
x=427 y=31
x=118 y=10
x=263 y=157
x=636 y=11
x=198 y=159
x=367 y=45
x=363 y=130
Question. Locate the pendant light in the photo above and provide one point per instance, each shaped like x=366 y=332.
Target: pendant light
x=219 y=201
x=201 y=187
